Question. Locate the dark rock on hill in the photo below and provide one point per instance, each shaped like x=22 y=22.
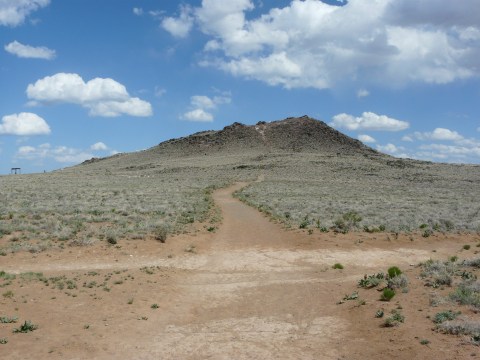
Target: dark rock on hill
x=302 y=134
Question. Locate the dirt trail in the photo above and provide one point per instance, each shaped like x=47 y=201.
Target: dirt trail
x=250 y=291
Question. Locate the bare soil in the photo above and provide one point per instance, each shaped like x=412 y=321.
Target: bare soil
x=249 y=290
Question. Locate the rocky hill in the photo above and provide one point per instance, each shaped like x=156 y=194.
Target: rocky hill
x=302 y=134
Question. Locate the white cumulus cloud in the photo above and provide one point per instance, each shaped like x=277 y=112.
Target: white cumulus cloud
x=99 y=146
x=368 y=121
x=24 y=124
x=366 y=139
x=102 y=96
x=392 y=149
x=309 y=43
x=14 y=12
x=27 y=51
x=181 y=26
x=202 y=103
x=61 y=154
x=198 y=115
x=439 y=134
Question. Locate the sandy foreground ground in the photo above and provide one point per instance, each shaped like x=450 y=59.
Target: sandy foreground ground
x=250 y=290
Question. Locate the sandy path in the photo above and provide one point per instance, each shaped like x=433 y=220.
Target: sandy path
x=252 y=291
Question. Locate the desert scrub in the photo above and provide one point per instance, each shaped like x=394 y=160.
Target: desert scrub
x=347 y=222
x=27 y=326
x=467 y=293
x=372 y=281
x=437 y=273
x=395 y=319
x=8 y=320
x=461 y=327
x=443 y=316
x=338 y=266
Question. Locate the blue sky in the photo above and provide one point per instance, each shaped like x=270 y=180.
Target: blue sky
x=85 y=78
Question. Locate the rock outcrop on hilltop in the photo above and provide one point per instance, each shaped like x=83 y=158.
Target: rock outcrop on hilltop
x=302 y=134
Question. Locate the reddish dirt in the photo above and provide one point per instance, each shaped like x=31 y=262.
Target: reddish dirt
x=251 y=290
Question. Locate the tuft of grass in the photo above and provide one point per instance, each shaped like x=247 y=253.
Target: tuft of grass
x=8 y=294
x=443 y=316
x=395 y=319
x=154 y=306
x=27 y=326
x=8 y=320
x=6 y=276
x=3 y=341
x=387 y=294
x=466 y=247
x=424 y=342
x=337 y=266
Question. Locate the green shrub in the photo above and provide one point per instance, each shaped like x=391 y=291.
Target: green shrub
x=26 y=327
x=394 y=271
x=387 y=294
x=337 y=266
x=466 y=247
x=444 y=316
x=3 y=341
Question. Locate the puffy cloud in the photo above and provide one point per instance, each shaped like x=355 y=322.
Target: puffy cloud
x=99 y=146
x=24 y=124
x=309 y=43
x=27 y=51
x=439 y=134
x=102 y=96
x=366 y=139
x=443 y=151
x=14 y=12
x=407 y=138
x=201 y=103
x=138 y=11
x=362 y=93
x=368 y=121
x=61 y=154
x=391 y=149
x=181 y=26
x=198 y=115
